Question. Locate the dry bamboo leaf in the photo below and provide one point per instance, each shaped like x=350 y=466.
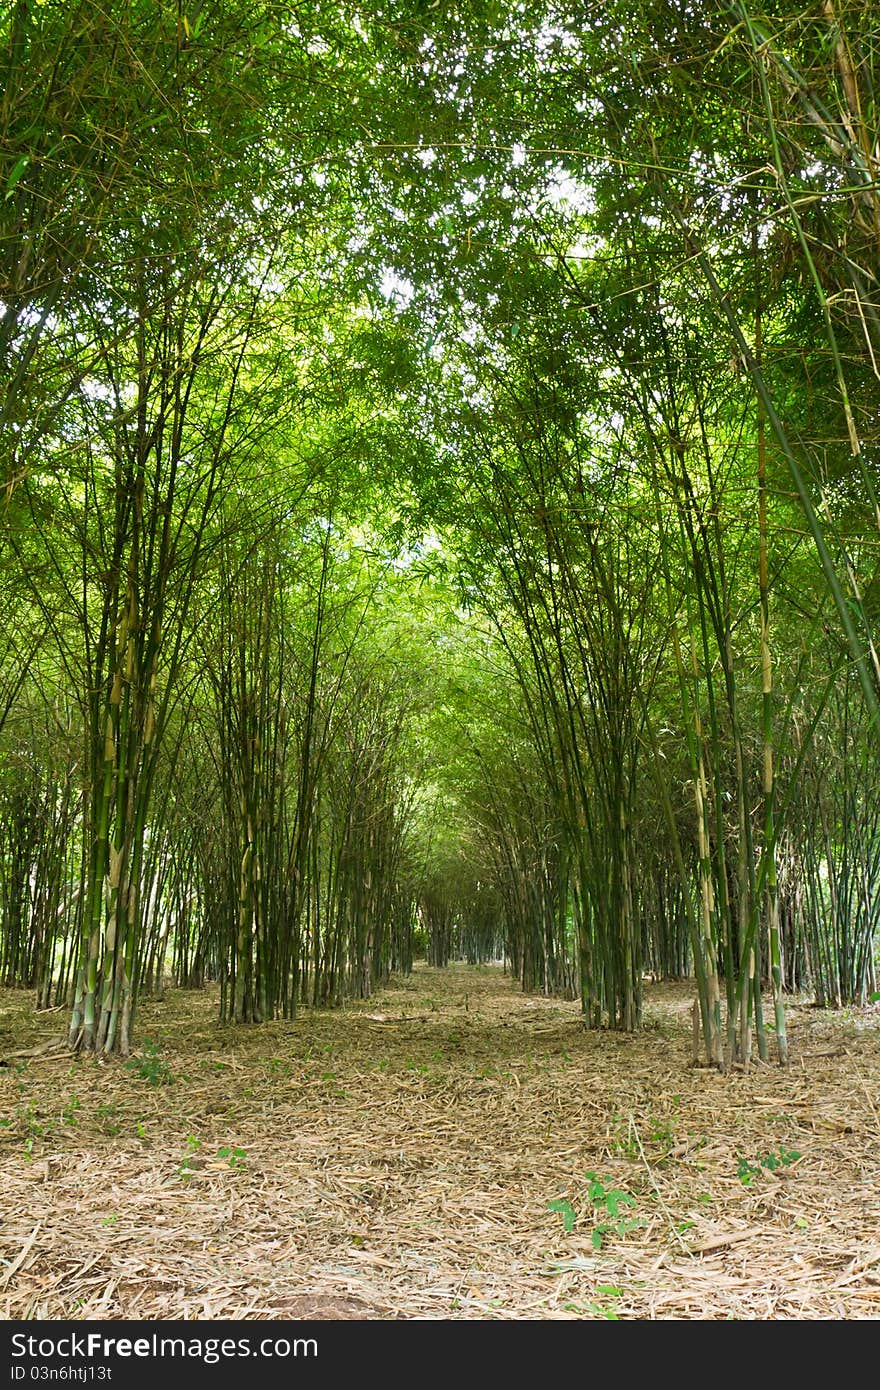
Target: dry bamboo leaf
x=18 y=1262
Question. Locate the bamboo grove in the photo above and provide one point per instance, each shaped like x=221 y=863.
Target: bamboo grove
x=440 y=505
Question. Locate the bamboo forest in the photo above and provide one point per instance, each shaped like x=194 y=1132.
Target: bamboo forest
x=439 y=675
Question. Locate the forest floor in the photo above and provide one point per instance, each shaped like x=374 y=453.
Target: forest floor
x=396 y=1158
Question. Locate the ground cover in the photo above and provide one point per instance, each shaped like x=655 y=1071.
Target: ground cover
x=451 y=1148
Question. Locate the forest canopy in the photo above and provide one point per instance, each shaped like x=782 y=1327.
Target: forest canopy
x=439 y=475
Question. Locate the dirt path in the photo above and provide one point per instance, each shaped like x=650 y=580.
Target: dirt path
x=396 y=1159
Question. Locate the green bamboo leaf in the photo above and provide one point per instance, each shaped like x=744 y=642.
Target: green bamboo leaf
x=18 y=169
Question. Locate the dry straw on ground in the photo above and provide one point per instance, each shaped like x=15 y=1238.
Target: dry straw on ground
x=396 y=1158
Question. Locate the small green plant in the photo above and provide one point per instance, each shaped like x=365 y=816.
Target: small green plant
x=611 y=1200
x=189 y=1163
x=106 y=1115
x=68 y=1114
x=623 y=1140
x=110 y=1220
x=781 y=1159
x=662 y=1135
x=236 y=1158
x=747 y=1172
x=657 y=1127
x=34 y=1127
x=603 y=1307
x=150 y=1066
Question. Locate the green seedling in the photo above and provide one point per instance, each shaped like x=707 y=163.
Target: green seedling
x=106 y=1115
x=603 y=1307
x=68 y=1114
x=747 y=1172
x=610 y=1201
x=613 y=1200
x=236 y=1158
x=150 y=1066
